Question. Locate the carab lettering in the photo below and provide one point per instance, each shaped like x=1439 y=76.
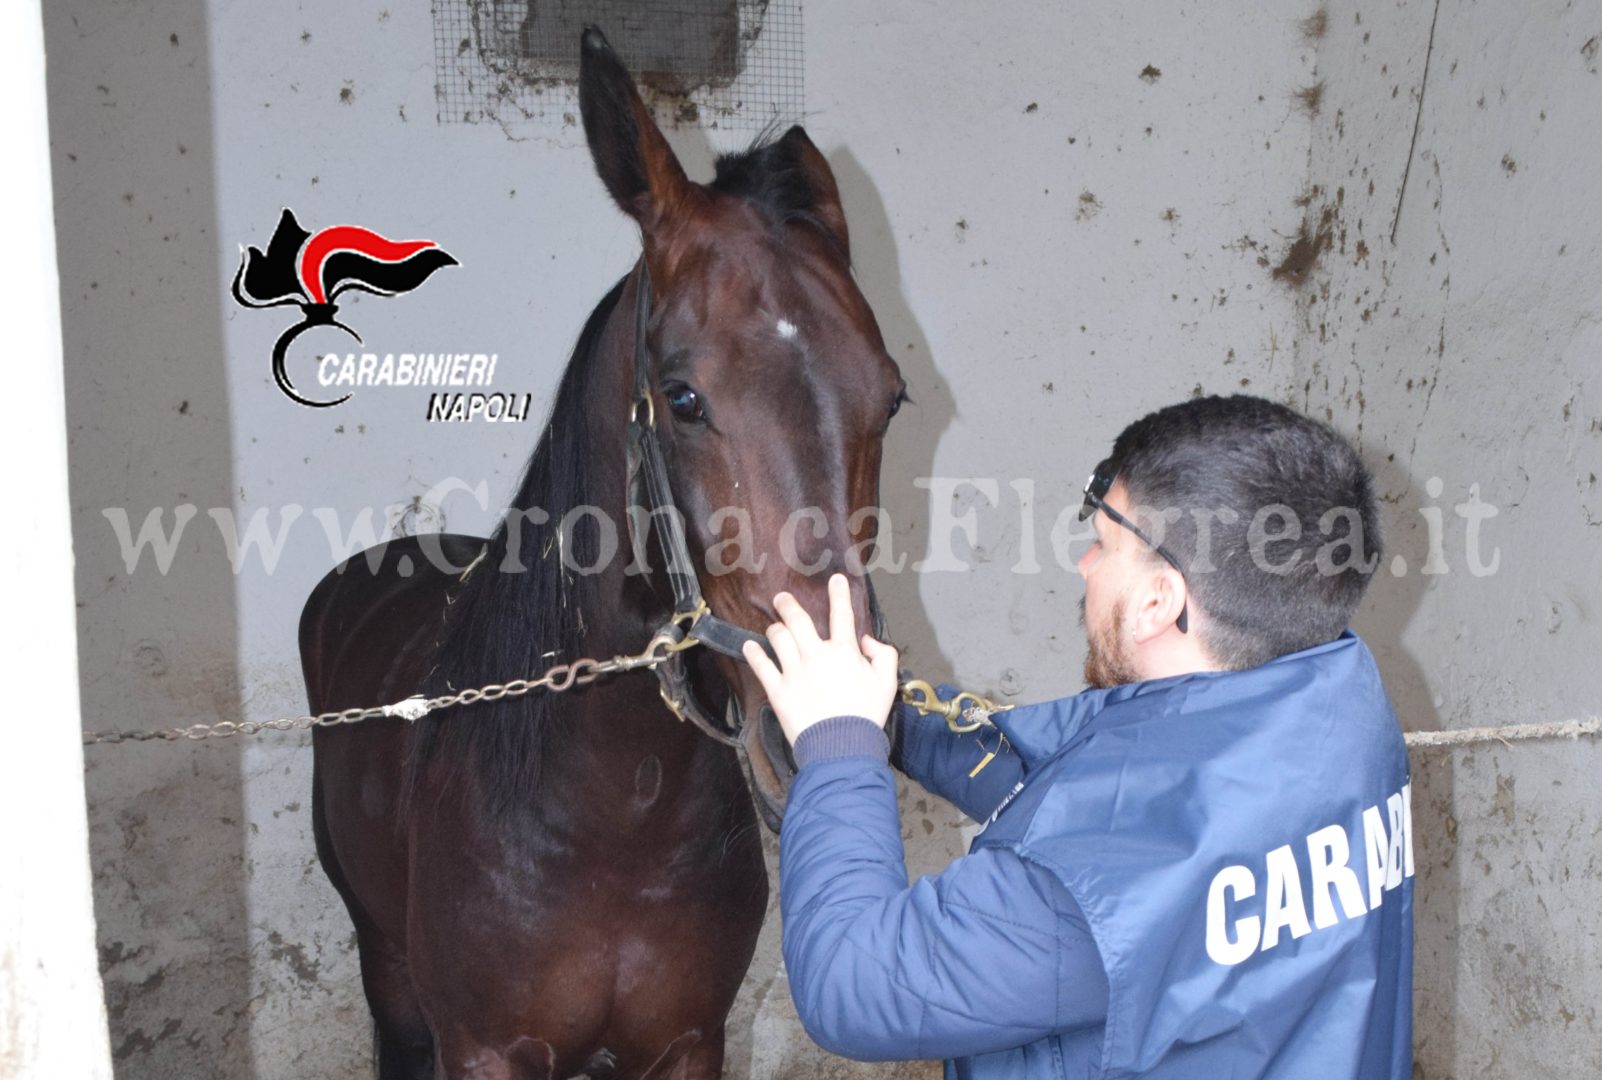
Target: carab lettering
x=407 y=369
x=1239 y=925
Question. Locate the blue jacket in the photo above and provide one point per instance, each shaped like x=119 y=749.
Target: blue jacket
x=1205 y=876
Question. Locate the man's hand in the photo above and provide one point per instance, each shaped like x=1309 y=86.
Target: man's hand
x=818 y=678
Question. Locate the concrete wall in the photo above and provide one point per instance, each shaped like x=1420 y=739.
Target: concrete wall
x=1063 y=218
x=1457 y=328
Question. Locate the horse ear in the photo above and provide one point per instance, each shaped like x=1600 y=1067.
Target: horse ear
x=635 y=162
x=814 y=168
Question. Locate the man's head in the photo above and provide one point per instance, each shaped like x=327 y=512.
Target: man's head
x=1270 y=529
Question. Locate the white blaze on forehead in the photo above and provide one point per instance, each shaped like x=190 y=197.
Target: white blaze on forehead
x=786 y=329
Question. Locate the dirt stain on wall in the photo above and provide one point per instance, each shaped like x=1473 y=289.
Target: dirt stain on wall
x=1312 y=240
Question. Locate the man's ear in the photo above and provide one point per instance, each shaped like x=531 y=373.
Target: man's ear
x=1158 y=602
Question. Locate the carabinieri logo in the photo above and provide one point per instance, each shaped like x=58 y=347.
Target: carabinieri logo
x=310 y=270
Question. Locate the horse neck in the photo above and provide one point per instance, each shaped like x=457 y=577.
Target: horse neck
x=535 y=609
x=622 y=610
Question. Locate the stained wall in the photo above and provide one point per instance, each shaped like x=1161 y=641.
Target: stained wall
x=1063 y=216
x=1453 y=321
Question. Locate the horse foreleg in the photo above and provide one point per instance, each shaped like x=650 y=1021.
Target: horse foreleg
x=404 y=1043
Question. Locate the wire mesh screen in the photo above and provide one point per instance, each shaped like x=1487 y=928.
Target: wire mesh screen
x=728 y=64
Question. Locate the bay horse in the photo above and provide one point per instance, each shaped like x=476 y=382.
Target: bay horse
x=573 y=883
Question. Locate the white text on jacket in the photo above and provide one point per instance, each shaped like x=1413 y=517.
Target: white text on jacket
x=1386 y=858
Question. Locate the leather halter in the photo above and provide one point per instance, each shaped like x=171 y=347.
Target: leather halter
x=647 y=469
x=692 y=618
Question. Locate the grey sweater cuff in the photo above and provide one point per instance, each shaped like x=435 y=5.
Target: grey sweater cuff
x=841 y=736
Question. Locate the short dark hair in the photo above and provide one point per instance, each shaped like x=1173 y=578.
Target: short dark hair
x=1264 y=591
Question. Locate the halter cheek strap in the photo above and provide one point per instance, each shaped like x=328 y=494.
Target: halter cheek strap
x=648 y=486
x=652 y=470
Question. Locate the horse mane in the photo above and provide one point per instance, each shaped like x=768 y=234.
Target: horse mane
x=505 y=624
x=768 y=174
x=502 y=625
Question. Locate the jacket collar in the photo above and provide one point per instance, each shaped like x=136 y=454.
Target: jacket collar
x=1042 y=730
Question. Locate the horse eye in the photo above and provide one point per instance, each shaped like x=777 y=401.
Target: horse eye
x=685 y=402
x=895 y=406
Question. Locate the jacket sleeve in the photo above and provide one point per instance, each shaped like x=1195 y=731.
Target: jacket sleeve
x=992 y=953
x=941 y=760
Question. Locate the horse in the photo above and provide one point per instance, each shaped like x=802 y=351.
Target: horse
x=567 y=883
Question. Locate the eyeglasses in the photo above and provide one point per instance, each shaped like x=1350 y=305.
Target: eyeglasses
x=1096 y=488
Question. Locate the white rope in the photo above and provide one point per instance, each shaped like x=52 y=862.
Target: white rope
x=1563 y=729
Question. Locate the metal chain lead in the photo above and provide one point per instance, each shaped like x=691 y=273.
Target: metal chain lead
x=963 y=713
x=557 y=678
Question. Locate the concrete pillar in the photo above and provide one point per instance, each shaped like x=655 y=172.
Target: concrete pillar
x=52 y=1015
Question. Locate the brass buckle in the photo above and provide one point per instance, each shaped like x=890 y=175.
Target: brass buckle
x=674 y=637
x=921 y=696
x=674 y=705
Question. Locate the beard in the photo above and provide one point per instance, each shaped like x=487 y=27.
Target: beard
x=1107 y=661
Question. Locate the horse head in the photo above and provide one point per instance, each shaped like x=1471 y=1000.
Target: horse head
x=769 y=384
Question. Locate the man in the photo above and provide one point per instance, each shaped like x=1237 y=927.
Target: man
x=1200 y=867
